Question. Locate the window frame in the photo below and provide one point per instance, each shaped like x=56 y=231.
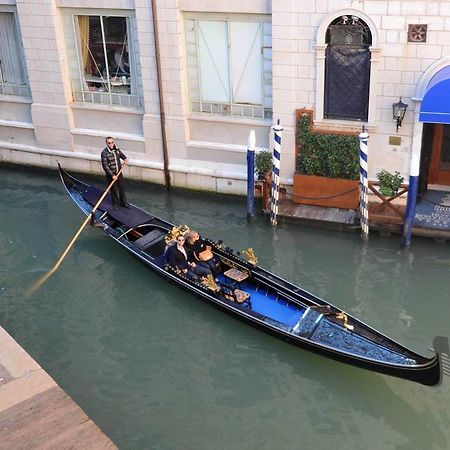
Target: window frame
x=230 y=109
x=321 y=46
x=16 y=90
x=80 y=91
x=355 y=28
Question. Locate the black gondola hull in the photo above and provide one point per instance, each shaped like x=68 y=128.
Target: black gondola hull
x=413 y=367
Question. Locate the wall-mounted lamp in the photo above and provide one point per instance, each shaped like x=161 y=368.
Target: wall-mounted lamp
x=399 y=111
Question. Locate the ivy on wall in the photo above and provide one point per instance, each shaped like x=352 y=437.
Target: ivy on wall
x=326 y=155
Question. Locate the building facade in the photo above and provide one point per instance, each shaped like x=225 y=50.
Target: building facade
x=73 y=72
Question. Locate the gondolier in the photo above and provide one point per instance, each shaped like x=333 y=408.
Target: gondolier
x=111 y=156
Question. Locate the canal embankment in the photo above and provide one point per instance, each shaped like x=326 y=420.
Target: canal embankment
x=35 y=412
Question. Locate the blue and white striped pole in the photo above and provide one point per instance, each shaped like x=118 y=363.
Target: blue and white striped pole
x=363 y=184
x=413 y=189
x=275 y=194
x=251 y=176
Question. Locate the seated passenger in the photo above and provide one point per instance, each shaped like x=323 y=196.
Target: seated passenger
x=201 y=252
x=178 y=258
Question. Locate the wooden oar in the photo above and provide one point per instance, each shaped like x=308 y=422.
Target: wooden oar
x=43 y=279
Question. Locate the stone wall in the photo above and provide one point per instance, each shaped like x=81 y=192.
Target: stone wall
x=208 y=151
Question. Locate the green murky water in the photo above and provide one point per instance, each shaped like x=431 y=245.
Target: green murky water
x=156 y=368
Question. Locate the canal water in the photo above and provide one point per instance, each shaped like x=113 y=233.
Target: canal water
x=156 y=368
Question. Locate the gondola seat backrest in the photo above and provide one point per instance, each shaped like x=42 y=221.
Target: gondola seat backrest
x=148 y=239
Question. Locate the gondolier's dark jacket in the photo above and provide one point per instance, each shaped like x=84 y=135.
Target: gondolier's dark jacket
x=111 y=160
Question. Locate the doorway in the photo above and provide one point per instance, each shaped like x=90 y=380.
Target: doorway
x=439 y=172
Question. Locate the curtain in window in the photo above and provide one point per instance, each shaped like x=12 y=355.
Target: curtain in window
x=11 y=69
x=83 y=24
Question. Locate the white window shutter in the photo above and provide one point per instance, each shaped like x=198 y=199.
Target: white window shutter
x=246 y=62
x=213 y=55
x=10 y=57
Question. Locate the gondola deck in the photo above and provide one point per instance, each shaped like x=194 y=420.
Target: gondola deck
x=267 y=301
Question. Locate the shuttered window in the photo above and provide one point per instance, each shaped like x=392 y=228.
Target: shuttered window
x=246 y=62
x=12 y=71
x=213 y=58
x=230 y=67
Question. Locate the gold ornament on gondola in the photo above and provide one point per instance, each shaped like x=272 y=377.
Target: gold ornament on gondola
x=250 y=254
x=210 y=283
x=343 y=316
x=175 y=232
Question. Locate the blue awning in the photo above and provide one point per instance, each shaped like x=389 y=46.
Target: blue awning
x=435 y=106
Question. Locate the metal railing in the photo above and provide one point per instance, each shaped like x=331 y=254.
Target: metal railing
x=21 y=90
x=108 y=98
x=232 y=109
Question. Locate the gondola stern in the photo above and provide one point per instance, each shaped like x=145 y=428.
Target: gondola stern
x=63 y=175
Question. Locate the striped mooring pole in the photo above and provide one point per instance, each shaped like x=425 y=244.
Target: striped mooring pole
x=275 y=194
x=363 y=184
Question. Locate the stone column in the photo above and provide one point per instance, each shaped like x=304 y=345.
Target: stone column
x=44 y=48
x=175 y=92
x=289 y=78
x=151 y=119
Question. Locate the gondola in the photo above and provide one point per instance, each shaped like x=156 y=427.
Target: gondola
x=259 y=297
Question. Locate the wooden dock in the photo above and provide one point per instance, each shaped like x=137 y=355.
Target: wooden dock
x=343 y=219
x=347 y=220
x=35 y=413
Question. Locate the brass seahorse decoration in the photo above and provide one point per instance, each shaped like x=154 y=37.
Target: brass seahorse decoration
x=210 y=283
x=250 y=254
x=175 y=232
x=343 y=316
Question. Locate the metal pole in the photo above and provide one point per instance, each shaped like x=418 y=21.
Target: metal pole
x=363 y=184
x=251 y=176
x=161 y=98
x=277 y=129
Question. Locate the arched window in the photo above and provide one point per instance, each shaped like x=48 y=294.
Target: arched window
x=347 y=69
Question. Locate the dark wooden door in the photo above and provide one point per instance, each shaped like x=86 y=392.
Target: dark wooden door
x=440 y=157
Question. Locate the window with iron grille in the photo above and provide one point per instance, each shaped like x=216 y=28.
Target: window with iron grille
x=12 y=69
x=103 y=62
x=230 y=67
x=347 y=69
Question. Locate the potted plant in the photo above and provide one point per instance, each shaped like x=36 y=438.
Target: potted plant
x=327 y=167
x=390 y=183
x=263 y=167
x=263 y=163
x=383 y=209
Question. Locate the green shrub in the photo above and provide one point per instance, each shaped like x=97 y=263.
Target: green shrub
x=389 y=182
x=326 y=155
x=263 y=163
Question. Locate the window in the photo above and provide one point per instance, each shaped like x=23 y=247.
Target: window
x=230 y=67
x=12 y=71
x=103 y=65
x=347 y=69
